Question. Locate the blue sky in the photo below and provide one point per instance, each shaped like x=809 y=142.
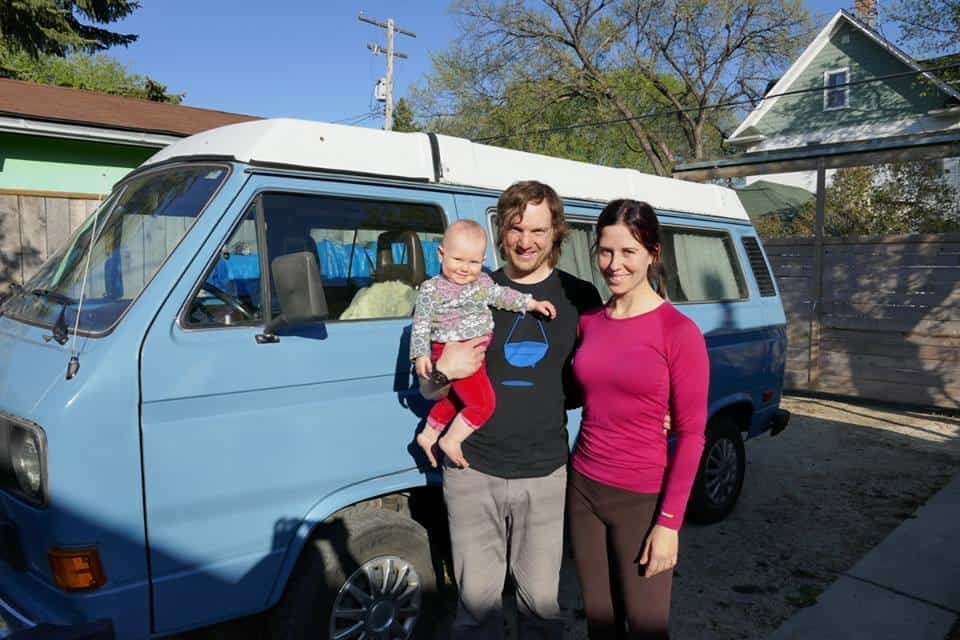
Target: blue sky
x=296 y=58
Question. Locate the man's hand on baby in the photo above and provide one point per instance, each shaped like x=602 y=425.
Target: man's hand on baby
x=544 y=307
x=424 y=367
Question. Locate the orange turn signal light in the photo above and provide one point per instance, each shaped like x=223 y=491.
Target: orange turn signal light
x=77 y=569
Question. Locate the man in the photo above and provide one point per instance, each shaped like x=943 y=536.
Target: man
x=506 y=506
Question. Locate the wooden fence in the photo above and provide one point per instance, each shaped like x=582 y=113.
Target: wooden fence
x=886 y=325
x=32 y=226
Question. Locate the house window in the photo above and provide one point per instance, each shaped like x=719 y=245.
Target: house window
x=836 y=95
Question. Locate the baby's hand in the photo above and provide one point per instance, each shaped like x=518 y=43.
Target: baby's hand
x=544 y=307
x=424 y=367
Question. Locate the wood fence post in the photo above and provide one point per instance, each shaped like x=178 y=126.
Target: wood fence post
x=813 y=371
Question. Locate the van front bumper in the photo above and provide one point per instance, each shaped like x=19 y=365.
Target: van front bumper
x=17 y=625
x=12 y=620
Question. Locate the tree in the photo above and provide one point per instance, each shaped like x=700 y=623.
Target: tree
x=403 y=119
x=897 y=198
x=99 y=73
x=54 y=26
x=521 y=108
x=927 y=25
x=682 y=56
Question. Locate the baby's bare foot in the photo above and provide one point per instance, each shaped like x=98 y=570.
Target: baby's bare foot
x=427 y=439
x=451 y=448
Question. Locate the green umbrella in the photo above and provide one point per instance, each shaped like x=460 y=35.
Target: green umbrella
x=763 y=198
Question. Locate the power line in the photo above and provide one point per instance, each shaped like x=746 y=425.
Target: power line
x=390 y=54
x=723 y=105
x=357 y=118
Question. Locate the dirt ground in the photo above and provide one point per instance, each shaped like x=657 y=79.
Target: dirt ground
x=816 y=498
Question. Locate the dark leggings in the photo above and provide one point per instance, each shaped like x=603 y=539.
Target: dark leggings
x=608 y=527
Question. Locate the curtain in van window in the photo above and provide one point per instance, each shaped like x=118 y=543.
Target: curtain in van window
x=703 y=267
x=577 y=257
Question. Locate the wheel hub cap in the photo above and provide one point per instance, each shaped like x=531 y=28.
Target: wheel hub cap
x=381 y=600
x=721 y=471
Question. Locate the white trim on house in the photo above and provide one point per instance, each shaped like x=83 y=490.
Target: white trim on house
x=788 y=78
x=814 y=48
x=343 y=149
x=827 y=89
x=80 y=132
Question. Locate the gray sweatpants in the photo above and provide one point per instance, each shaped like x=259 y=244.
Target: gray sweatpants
x=496 y=525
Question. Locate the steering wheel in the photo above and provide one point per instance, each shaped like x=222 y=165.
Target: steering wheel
x=230 y=301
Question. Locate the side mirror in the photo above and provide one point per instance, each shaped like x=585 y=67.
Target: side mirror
x=300 y=292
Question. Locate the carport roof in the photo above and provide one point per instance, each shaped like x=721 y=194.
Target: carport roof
x=926 y=146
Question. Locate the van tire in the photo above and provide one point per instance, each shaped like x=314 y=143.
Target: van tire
x=338 y=550
x=720 y=476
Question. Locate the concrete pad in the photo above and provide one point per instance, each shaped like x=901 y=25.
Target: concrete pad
x=921 y=557
x=854 y=610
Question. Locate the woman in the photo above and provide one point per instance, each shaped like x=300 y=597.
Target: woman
x=638 y=358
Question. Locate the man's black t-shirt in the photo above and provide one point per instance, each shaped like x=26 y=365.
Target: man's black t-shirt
x=526 y=362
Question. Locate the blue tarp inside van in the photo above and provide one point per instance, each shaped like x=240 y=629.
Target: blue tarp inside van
x=240 y=274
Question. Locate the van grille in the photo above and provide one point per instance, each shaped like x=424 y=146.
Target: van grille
x=759 y=267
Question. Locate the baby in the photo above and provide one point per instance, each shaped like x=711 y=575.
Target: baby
x=454 y=306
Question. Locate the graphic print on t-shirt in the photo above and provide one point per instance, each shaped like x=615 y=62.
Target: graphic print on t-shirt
x=525 y=350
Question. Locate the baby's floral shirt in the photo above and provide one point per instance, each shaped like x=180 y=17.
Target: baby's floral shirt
x=450 y=312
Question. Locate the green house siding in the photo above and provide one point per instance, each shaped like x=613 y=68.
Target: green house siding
x=870 y=103
x=37 y=163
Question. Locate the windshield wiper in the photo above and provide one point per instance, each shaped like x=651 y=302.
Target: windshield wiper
x=60 y=327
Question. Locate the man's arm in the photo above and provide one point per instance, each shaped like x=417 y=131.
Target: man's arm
x=458 y=360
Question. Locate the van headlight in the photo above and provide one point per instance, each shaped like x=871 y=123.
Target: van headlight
x=23 y=456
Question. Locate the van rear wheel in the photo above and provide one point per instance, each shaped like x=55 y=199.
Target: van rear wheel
x=720 y=476
x=365 y=574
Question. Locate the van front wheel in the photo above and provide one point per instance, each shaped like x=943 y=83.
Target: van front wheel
x=720 y=477
x=365 y=574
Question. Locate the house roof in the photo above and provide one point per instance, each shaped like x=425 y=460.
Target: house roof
x=810 y=53
x=302 y=144
x=46 y=103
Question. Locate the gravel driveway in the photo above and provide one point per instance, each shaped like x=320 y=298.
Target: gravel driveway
x=816 y=498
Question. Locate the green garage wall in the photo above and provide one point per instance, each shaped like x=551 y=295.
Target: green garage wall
x=38 y=163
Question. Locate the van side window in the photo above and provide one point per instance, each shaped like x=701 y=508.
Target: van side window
x=372 y=254
x=701 y=266
x=577 y=256
x=230 y=294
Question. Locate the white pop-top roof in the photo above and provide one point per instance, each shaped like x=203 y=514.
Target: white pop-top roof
x=331 y=147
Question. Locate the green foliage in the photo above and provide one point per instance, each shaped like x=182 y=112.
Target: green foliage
x=927 y=26
x=98 y=72
x=898 y=198
x=54 y=27
x=403 y=119
x=656 y=66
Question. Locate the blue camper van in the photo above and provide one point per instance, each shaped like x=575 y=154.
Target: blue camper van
x=206 y=406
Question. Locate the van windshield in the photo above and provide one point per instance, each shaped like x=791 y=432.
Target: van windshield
x=136 y=229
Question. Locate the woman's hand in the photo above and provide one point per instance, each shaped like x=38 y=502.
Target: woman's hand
x=660 y=551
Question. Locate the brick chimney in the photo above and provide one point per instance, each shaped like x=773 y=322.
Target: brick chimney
x=866 y=10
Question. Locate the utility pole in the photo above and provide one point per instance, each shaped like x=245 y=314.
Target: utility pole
x=391 y=54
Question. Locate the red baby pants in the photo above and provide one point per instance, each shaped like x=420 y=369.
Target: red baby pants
x=472 y=396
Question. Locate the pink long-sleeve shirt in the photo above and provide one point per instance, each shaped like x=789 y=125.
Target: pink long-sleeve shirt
x=632 y=371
